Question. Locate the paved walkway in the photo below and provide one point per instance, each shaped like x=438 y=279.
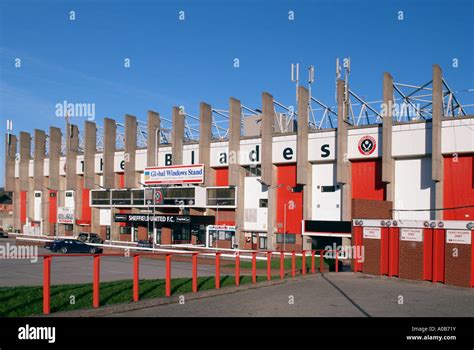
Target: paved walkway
x=342 y=294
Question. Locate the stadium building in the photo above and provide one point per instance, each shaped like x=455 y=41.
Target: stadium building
x=267 y=178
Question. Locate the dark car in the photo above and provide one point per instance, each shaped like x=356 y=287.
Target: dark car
x=65 y=246
x=3 y=234
x=90 y=237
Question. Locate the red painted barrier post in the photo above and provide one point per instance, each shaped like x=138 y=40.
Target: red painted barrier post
x=237 y=268
x=282 y=265
x=46 y=285
x=254 y=267
x=337 y=261
x=313 y=269
x=195 y=272
x=218 y=270
x=321 y=262
x=168 y=276
x=303 y=262
x=293 y=264
x=136 y=273
x=269 y=266
x=96 y=282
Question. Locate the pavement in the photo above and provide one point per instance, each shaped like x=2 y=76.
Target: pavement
x=342 y=294
x=72 y=269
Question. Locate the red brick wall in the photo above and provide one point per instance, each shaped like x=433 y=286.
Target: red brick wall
x=372 y=253
x=458 y=269
x=411 y=260
x=371 y=209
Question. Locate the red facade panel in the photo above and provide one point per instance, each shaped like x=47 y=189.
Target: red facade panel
x=53 y=206
x=23 y=207
x=222 y=176
x=293 y=201
x=427 y=254
x=459 y=187
x=367 y=180
x=86 y=209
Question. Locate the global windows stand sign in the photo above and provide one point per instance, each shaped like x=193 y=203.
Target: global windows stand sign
x=175 y=174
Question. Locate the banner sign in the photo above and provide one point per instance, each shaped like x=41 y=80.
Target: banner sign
x=169 y=219
x=175 y=174
x=65 y=215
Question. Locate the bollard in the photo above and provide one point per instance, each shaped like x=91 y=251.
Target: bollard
x=293 y=264
x=136 y=272
x=195 y=278
x=303 y=262
x=237 y=268
x=337 y=262
x=321 y=262
x=313 y=269
x=254 y=267
x=282 y=265
x=46 y=284
x=218 y=270
x=96 y=282
x=168 y=276
x=269 y=266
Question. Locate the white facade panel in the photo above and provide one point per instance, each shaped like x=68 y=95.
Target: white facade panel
x=191 y=154
x=411 y=140
x=355 y=143
x=284 y=149
x=255 y=218
x=325 y=205
x=322 y=146
x=140 y=159
x=414 y=189
x=37 y=206
x=46 y=167
x=219 y=156
x=31 y=168
x=164 y=154
x=457 y=136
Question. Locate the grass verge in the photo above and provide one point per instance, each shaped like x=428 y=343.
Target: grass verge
x=28 y=301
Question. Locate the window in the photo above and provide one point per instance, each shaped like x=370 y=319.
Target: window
x=121 y=198
x=181 y=233
x=221 y=196
x=253 y=170
x=100 y=197
x=125 y=230
x=138 y=197
x=178 y=195
x=289 y=238
x=38 y=194
x=263 y=203
x=69 y=194
x=262 y=242
x=328 y=188
x=68 y=227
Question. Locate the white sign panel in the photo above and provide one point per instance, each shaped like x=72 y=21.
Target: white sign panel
x=65 y=215
x=372 y=232
x=458 y=236
x=411 y=234
x=175 y=174
x=105 y=217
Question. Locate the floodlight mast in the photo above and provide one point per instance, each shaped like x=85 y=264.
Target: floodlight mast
x=295 y=73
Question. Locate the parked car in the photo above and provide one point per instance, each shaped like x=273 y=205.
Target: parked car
x=90 y=237
x=3 y=234
x=65 y=246
x=144 y=243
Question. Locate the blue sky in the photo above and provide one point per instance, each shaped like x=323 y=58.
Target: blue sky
x=185 y=62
